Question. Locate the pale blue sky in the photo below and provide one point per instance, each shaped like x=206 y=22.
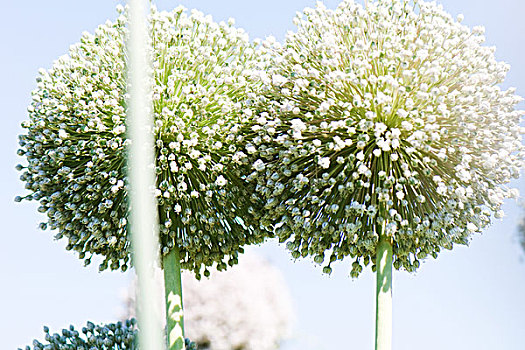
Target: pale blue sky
x=469 y=298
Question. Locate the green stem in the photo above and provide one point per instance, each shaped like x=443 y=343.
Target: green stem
x=173 y=295
x=384 y=294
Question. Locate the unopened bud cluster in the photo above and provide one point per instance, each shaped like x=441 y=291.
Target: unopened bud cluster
x=112 y=336
x=120 y=335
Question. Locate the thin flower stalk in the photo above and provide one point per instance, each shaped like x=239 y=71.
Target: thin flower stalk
x=144 y=225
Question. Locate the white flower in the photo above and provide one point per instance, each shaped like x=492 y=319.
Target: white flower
x=415 y=96
x=471 y=227
x=298 y=125
x=278 y=80
x=259 y=165
x=255 y=311
x=324 y=107
x=324 y=162
x=62 y=134
x=76 y=140
x=407 y=125
x=221 y=181
x=380 y=128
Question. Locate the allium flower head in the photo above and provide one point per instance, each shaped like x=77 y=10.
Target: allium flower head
x=384 y=119
x=76 y=140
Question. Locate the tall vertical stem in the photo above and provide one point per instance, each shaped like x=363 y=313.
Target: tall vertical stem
x=173 y=295
x=384 y=294
x=141 y=175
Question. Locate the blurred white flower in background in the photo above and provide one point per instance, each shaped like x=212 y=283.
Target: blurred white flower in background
x=247 y=307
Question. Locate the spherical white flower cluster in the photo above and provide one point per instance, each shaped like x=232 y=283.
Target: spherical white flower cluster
x=247 y=307
x=383 y=120
x=76 y=141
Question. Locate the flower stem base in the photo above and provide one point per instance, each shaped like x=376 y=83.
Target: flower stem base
x=383 y=339
x=173 y=295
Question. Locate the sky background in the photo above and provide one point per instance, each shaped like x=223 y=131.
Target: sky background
x=469 y=298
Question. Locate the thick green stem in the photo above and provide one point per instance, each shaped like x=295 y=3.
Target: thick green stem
x=384 y=294
x=174 y=309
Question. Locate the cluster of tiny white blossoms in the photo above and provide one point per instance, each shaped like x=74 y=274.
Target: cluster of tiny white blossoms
x=115 y=336
x=383 y=120
x=76 y=141
x=254 y=310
